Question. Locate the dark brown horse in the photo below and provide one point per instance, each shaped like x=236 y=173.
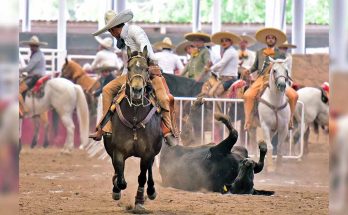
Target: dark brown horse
x=136 y=129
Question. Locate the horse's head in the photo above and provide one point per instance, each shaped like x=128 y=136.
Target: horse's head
x=71 y=69
x=279 y=73
x=137 y=77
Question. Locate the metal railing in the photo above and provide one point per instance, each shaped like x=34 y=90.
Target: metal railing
x=217 y=133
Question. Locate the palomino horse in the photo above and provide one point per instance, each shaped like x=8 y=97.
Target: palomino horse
x=74 y=72
x=64 y=97
x=316 y=109
x=274 y=110
x=136 y=130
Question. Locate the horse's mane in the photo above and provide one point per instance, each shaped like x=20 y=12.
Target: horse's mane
x=75 y=68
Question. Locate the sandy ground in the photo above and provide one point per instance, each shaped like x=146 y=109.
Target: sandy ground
x=55 y=183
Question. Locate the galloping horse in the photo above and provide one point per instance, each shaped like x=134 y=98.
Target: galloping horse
x=274 y=110
x=64 y=97
x=136 y=129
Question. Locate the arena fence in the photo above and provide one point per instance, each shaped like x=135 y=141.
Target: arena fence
x=210 y=130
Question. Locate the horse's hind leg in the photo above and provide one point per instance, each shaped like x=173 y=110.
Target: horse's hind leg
x=70 y=128
x=44 y=120
x=151 y=192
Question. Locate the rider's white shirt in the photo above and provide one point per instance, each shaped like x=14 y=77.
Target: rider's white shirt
x=106 y=55
x=248 y=63
x=169 y=61
x=228 y=65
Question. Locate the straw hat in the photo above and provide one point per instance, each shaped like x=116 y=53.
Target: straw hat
x=216 y=38
x=106 y=66
x=112 y=19
x=180 y=48
x=197 y=35
x=166 y=43
x=34 y=40
x=106 y=42
x=287 y=45
x=249 y=39
x=262 y=33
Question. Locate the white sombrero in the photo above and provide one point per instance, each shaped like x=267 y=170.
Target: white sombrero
x=166 y=43
x=198 y=35
x=106 y=42
x=287 y=45
x=264 y=32
x=34 y=40
x=106 y=66
x=180 y=48
x=216 y=38
x=112 y=19
x=249 y=39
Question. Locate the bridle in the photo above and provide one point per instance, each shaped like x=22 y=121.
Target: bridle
x=144 y=79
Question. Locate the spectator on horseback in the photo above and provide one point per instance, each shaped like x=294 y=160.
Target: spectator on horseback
x=106 y=75
x=271 y=37
x=200 y=61
x=35 y=69
x=227 y=67
x=106 y=53
x=167 y=60
x=283 y=49
x=136 y=39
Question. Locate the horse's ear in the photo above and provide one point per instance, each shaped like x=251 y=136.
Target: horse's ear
x=286 y=59
x=145 y=52
x=66 y=60
x=129 y=52
x=271 y=59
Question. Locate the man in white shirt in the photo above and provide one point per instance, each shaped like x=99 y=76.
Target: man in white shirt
x=227 y=67
x=167 y=60
x=283 y=50
x=136 y=39
x=106 y=54
x=246 y=56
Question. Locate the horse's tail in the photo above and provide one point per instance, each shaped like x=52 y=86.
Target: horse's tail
x=82 y=114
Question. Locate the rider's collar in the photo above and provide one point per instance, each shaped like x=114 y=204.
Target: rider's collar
x=124 y=32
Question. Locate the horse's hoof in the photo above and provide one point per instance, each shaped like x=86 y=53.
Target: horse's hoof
x=116 y=196
x=33 y=145
x=66 y=151
x=45 y=145
x=153 y=196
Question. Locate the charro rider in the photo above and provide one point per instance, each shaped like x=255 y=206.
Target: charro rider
x=35 y=69
x=246 y=56
x=200 y=57
x=136 y=39
x=227 y=67
x=283 y=49
x=271 y=37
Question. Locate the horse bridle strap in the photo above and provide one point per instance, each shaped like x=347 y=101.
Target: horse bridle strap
x=275 y=110
x=139 y=124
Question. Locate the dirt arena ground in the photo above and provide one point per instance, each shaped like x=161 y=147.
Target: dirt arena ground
x=55 y=183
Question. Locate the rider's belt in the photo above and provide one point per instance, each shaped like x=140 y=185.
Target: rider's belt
x=227 y=78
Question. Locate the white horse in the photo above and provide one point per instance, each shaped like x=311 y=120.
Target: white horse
x=316 y=109
x=274 y=110
x=64 y=97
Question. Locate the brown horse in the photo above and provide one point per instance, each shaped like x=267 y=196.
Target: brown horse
x=73 y=71
x=136 y=129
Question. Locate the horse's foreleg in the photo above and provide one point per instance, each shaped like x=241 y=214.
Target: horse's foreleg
x=144 y=166
x=44 y=120
x=151 y=192
x=118 y=163
x=36 y=132
x=282 y=134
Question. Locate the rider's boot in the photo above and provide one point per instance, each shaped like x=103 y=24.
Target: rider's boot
x=97 y=135
x=169 y=135
x=293 y=96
